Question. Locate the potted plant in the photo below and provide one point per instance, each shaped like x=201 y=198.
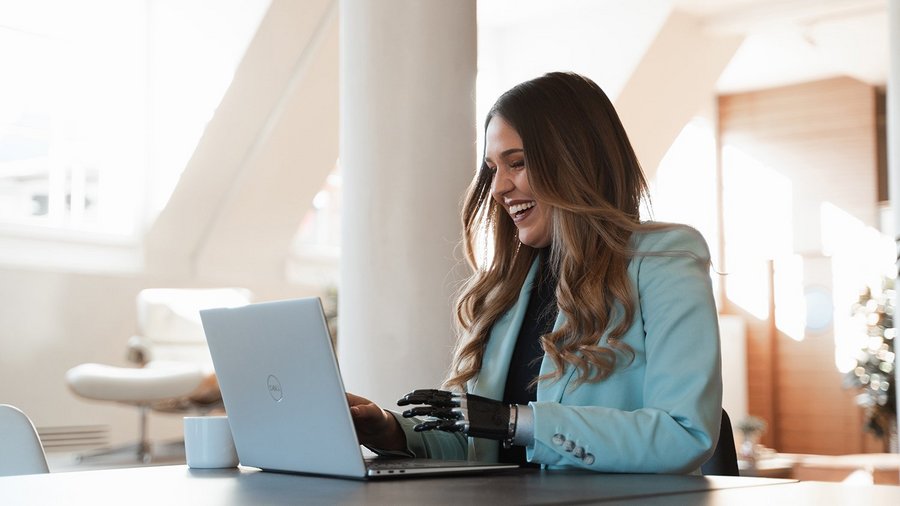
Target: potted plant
x=751 y=429
x=873 y=375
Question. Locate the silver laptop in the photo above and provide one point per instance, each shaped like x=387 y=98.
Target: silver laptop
x=285 y=399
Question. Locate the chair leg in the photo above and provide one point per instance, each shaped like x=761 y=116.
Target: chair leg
x=144 y=450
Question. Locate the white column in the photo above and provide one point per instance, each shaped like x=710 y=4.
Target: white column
x=407 y=154
x=893 y=146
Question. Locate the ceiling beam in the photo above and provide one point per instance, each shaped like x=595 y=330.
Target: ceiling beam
x=674 y=80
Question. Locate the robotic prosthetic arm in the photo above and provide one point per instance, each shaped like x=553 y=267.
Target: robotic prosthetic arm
x=469 y=414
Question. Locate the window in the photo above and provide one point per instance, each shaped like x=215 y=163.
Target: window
x=72 y=114
x=316 y=247
x=102 y=103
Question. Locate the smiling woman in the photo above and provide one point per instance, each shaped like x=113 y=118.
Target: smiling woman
x=510 y=187
x=588 y=339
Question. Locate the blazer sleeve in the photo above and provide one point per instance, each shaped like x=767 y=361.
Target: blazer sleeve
x=676 y=426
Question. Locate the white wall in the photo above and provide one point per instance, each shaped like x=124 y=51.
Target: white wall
x=51 y=321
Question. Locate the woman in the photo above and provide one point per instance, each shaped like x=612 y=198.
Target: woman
x=598 y=332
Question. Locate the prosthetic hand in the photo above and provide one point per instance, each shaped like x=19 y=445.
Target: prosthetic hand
x=469 y=414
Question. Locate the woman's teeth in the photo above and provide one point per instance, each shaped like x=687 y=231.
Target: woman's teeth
x=518 y=208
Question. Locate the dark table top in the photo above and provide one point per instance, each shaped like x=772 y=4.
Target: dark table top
x=180 y=485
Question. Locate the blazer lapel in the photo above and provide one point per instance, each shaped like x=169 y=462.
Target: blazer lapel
x=549 y=390
x=491 y=380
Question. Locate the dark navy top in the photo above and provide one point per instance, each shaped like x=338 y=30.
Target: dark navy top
x=525 y=364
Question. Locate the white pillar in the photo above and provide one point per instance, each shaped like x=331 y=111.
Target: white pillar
x=407 y=154
x=893 y=146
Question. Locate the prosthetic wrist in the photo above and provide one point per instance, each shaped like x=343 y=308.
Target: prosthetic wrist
x=469 y=414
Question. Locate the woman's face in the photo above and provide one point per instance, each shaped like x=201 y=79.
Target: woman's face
x=504 y=155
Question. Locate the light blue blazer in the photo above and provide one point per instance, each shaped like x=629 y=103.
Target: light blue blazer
x=659 y=413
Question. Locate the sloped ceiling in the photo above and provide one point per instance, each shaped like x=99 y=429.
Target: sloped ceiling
x=263 y=156
x=274 y=137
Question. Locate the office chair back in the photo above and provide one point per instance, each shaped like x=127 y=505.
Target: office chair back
x=724 y=460
x=20 y=448
x=176 y=373
x=169 y=321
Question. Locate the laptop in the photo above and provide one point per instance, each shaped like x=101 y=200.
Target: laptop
x=285 y=399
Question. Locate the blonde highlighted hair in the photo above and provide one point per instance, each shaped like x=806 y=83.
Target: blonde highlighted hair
x=580 y=163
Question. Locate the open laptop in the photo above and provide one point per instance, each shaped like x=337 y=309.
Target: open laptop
x=285 y=399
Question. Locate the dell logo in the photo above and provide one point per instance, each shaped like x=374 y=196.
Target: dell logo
x=275 y=388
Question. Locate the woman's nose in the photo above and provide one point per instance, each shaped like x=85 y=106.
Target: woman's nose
x=502 y=182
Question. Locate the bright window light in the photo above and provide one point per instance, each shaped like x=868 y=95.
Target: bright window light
x=861 y=256
x=758 y=215
x=790 y=298
x=684 y=189
x=103 y=101
x=320 y=232
x=72 y=114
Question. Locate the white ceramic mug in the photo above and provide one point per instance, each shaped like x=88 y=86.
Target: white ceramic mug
x=208 y=443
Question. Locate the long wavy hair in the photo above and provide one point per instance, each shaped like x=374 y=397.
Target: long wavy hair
x=580 y=163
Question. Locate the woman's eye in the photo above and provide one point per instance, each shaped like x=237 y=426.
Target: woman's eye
x=490 y=170
x=519 y=164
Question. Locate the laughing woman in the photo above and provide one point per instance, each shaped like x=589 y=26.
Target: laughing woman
x=587 y=338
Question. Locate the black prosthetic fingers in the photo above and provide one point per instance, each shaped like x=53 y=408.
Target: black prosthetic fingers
x=470 y=414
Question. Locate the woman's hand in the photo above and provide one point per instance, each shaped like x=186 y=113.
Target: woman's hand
x=375 y=427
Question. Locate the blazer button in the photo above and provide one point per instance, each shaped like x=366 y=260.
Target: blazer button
x=588 y=459
x=578 y=452
x=558 y=439
x=569 y=445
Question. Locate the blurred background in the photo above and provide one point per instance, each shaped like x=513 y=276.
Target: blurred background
x=298 y=148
